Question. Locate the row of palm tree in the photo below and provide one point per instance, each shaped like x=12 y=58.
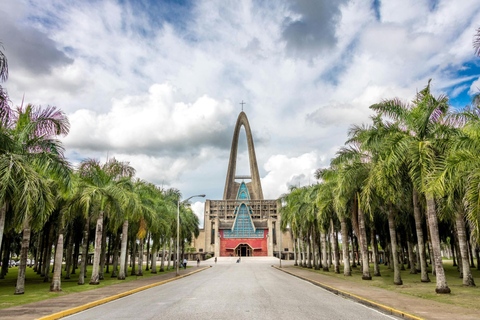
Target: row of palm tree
x=408 y=180
x=45 y=203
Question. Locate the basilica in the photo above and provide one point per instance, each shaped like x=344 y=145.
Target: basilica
x=243 y=223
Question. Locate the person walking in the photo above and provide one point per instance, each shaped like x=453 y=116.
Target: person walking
x=185 y=263
x=198 y=262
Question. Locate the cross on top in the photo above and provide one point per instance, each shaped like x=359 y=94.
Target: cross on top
x=242 y=103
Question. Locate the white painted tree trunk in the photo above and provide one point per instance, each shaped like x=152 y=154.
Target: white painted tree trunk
x=442 y=286
x=98 y=250
x=123 y=251
x=56 y=285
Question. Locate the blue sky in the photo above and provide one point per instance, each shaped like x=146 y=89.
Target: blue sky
x=159 y=83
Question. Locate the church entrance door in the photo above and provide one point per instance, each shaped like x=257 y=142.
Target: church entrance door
x=244 y=250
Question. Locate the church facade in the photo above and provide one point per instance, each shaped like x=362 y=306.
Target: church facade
x=243 y=223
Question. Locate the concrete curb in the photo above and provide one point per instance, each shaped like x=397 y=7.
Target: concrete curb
x=89 y=305
x=366 y=302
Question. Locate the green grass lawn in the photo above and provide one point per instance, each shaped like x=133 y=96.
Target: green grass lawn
x=467 y=297
x=37 y=290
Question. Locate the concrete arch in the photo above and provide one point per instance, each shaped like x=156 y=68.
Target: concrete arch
x=231 y=187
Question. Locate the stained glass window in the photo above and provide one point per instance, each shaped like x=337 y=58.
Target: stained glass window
x=243 y=227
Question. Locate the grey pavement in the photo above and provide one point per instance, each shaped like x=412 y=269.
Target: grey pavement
x=251 y=289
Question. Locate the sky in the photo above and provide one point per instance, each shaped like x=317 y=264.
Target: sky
x=159 y=83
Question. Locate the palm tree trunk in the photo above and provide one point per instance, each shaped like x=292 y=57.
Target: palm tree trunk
x=477 y=254
x=154 y=259
x=111 y=241
x=126 y=259
x=347 y=271
x=148 y=252
x=169 y=253
x=462 y=241
x=69 y=258
x=46 y=241
x=452 y=248
x=470 y=254
x=76 y=253
x=38 y=254
x=442 y=286
x=162 y=264
x=20 y=287
x=329 y=246
x=103 y=251
x=83 y=264
x=123 y=251
x=140 y=258
x=48 y=254
x=376 y=269
x=417 y=254
x=323 y=239
x=335 y=248
x=354 y=265
x=411 y=256
x=295 y=253
x=363 y=245
x=5 y=257
x=421 y=245
x=304 y=248
x=393 y=245
x=98 y=248
x=314 y=258
x=56 y=285
x=299 y=252
x=133 y=256
x=454 y=240
x=115 y=256
x=309 y=258
x=401 y=257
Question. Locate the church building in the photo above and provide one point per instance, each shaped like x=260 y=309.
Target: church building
x=243 y=223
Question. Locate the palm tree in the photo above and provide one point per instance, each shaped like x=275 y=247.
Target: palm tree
x=30 y=154
x=424 y=129
x=105 y=189
x=328 y=201
x=352 y=165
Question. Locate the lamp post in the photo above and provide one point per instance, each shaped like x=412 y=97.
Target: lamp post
x=178 y=226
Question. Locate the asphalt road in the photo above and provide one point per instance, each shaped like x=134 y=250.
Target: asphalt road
x=251 y=289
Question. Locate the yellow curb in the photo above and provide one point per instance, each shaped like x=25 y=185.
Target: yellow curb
x=89 y=305
x=357 y=298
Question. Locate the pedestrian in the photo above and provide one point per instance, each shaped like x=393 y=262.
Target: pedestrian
x=198 y=262
x=215 y=260
x=185 y=263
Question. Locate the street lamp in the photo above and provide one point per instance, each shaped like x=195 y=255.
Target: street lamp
x=178 y=226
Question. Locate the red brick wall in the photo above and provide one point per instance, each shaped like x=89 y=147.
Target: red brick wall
x=254 y=243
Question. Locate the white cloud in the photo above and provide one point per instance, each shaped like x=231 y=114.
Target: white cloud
x=154 y=123
x=198 y=208
x=164 y=93
x=474 y=87
x=284 y=172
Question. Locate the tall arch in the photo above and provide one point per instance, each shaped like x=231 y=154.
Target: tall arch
x=231 y=187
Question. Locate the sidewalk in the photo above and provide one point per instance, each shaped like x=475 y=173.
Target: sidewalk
x=417 y=307
x=48 y=307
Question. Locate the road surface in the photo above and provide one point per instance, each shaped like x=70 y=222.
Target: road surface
x=251 y=289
